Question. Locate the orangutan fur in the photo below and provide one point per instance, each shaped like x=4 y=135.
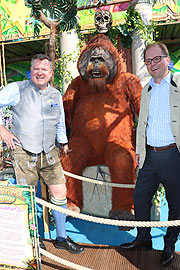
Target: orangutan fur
x=98 y=108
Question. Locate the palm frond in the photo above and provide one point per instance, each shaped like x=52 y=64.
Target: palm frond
x=20 y=67
x=61 y=10
x=51 y=9
x=66 y=25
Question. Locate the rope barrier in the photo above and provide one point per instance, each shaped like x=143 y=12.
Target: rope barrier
x=82 y=178
x=156 y=224
x=132 y=224
x=62 y=261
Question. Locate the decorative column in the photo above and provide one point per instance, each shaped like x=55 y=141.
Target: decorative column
x=144 y=7
x=69 y=45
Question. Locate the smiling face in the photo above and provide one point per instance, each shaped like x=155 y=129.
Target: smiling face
x=157 y=70
x=41 y=73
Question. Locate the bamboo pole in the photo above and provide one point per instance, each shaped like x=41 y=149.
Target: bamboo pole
x=1 y=72
x=1 y=142
x=35 y=236
x=45 y=209
x=4 y=65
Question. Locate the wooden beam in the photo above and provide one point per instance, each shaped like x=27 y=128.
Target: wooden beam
x=18 y=59
x=171 y=41
x=108 y=3
x=26 y=40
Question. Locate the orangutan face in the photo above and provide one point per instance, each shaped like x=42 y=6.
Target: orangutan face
x=98 y=67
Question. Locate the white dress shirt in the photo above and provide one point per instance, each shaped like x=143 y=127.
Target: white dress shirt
x=158 y=131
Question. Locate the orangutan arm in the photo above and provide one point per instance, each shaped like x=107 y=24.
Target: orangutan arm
x=70 y=97
x=133 y=90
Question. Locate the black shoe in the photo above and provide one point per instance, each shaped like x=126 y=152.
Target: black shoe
x=136 y=245
x=68 y=245
x=167 y=255
x=41 y=244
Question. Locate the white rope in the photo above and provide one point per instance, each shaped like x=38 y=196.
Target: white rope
x=62 y=261
x=93 y=181
x=98 y=182
x=156 y=224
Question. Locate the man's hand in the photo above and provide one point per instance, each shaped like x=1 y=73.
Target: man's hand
x=8 y=137
x=66 y=149
x=137 y=159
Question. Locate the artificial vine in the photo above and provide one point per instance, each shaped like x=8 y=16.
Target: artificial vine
x=159 y=196
x=134 y=22
x=63 y=74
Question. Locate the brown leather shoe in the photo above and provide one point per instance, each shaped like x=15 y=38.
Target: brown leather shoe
x=167 y=255
x=136 y=245
x=68 y=245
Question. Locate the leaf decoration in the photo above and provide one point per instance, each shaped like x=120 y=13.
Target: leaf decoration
x=68 y=20
x=60 y=10
x=18 y=70
x=51 y=10
x=68 y=25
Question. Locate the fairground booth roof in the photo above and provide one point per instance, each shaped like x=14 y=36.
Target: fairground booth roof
x=17 y=24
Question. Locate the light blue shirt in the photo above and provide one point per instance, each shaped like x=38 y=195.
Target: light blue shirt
x=10 y=96
x=158 y=131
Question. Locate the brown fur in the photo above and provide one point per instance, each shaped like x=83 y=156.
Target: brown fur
x=100 y=116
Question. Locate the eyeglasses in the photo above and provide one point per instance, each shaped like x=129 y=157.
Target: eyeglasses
x=156 y=59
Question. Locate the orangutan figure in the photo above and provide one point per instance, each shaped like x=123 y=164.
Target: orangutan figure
x=99 y=106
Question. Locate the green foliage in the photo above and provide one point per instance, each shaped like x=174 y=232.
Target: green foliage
x=113 y=34
x=36 y=7
x=135 y=22
x=17 y=71
x=35 y=25
x=64 y=11
x=61 y=70
x=37 y=28
x=81 y=37
x=51 y=10
x=157 y=198
x=68 y=20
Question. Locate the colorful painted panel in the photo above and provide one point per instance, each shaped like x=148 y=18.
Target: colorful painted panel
x=162 y=10
x=18 y=230
x=166 y=10
x=175 y=60
x=16 y=22
x=118 y=15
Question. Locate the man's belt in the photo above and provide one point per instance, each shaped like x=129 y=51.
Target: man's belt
x=162 y=148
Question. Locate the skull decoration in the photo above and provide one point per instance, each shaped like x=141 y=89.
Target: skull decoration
x=103 y=21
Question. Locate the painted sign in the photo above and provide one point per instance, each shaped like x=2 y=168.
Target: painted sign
x=18 y=230
x=166 y=9
x=20 y=24
x=175 y=60
x=118 y=12
x=16 y=22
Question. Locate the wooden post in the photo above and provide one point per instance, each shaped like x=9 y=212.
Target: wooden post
x=1 y=70
x=1 y=154
x=45 y=209
x=4 y=64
